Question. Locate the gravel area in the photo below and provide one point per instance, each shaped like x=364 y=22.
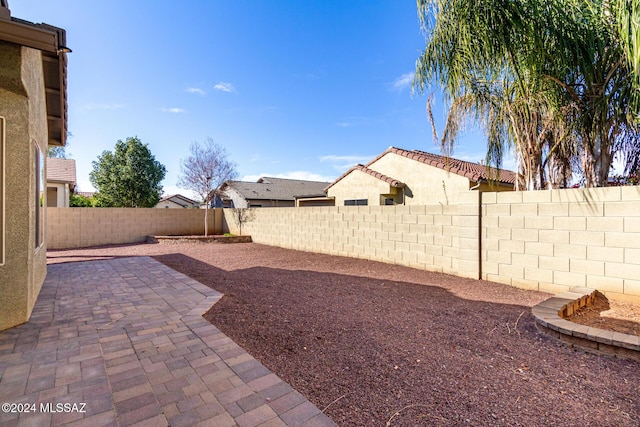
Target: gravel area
x=384 y=345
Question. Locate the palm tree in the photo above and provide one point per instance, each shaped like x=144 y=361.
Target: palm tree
x=627 y=21
x=475 y=51
x=545 y=77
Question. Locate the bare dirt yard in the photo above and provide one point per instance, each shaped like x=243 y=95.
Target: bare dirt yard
x=374 y=344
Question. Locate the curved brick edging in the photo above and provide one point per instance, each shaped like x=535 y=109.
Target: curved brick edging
x=549 y=318
x=198 y=239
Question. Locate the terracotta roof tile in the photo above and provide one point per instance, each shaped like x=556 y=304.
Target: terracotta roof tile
x=61 y=170
x=362 y=168
x=473 y=171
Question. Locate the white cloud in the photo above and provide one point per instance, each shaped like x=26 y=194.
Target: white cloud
x=196 y=90
x=353 y=121
x=342 y=163
x=174 y=110
x=96 y=106
x=225 y=87
x=303 y=175
x=403 y=81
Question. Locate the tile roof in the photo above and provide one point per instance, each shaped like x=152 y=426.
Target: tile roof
x=268 y=188
x=61 y=170
x=474 y=171
x=179 y=199
x=362 y=168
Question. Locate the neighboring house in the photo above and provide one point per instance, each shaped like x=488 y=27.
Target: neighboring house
x=267 y=192
x=61 y=182
x=177 y=201
x=33 y=115
x=414 y=177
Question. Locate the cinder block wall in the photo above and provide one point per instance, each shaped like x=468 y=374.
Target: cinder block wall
x=553 y=240
x=437 y=238
x=541 y=240
x=82 y=227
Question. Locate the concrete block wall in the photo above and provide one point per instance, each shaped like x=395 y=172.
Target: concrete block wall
x=438 y=237
x=82 y=227
x=542 y=240
x=554 y=240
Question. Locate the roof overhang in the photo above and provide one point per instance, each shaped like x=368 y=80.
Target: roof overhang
x=51 y=41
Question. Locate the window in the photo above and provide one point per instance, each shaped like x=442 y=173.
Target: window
x=389 y=201
x=2 y=190
x=39 y=194
x=356 y=202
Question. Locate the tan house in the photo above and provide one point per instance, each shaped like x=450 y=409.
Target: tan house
x=267 y=192
x=414 y=177
x=177 y=201
x=33 y=115
x=61 y=182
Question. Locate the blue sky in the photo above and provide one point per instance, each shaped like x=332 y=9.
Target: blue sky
x=298 y=89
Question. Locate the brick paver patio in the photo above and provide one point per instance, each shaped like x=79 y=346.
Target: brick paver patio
x=122 y=342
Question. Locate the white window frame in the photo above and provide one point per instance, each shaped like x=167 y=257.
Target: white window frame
x=2 y=190
x=40 y=189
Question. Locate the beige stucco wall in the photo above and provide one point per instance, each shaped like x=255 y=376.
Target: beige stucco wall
x=83 y=227
x=57 y=195
x=425 y=184
x=22 y=103
x=359 y=185
x=168 y=204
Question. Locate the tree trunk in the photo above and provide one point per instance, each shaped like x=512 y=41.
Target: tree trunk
x=596 y=165
x=206 y=220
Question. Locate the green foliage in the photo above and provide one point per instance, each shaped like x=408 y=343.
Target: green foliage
x=56 y=152
x=128 y=177
x=547 y=79
x=80 y=201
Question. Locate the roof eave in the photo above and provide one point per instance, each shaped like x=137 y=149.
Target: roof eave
x=51 y=42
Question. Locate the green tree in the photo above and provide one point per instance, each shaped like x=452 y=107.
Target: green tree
x=57 y=152
x=545 y=77
x=128 y=177
x=627 y=20
x=204 y=171
x=80 y=201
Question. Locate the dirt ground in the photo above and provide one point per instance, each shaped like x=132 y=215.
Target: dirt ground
x=612 y=315
x=374 y=344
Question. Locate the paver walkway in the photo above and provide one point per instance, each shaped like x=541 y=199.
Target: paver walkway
x=122 y=342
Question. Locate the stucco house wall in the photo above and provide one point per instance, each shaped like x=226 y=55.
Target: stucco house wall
x=358 y=185
x=415 y=178
x=168 y=204
x=22 y=104
x=425 y=184
x=58 y=195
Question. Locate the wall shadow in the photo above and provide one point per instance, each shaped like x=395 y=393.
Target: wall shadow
x=366 y=347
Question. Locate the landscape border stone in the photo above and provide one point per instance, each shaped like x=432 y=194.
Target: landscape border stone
x=550 y=316
x=198 y=239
